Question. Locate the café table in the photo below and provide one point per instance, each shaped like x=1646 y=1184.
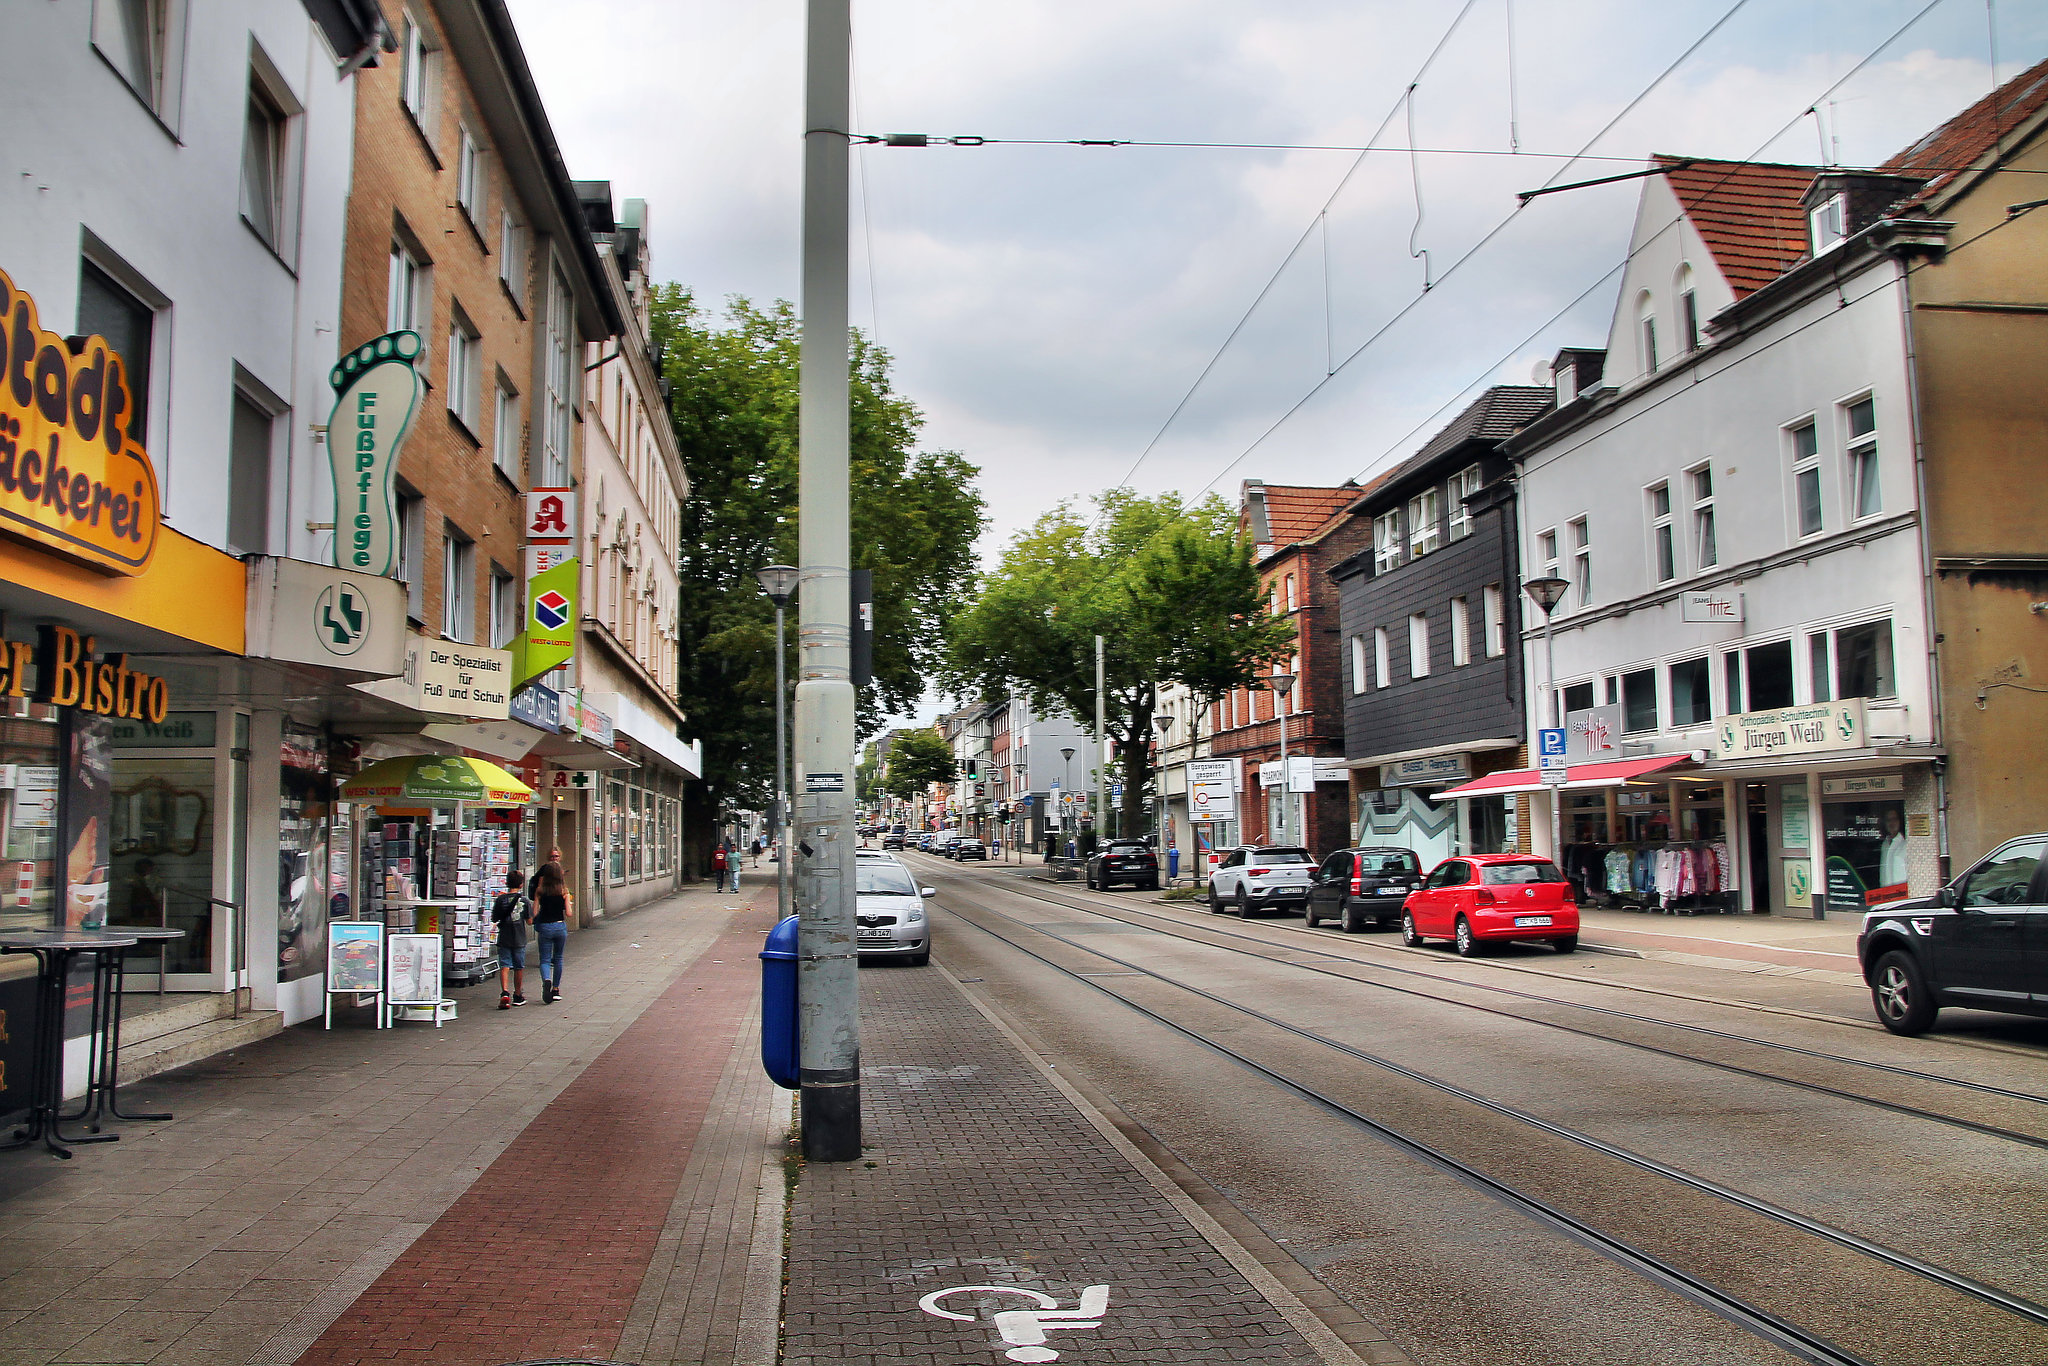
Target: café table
x=104 y=1072
x=56 y=951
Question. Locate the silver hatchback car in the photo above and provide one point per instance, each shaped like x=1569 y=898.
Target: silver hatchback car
x=890 y=906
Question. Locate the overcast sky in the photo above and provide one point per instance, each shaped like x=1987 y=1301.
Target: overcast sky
x=1048 y=307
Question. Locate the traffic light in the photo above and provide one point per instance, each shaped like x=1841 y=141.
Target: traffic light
x=970 y=769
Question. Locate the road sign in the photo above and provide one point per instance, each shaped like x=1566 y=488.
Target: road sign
x=1556 y=777
x=1550 y=748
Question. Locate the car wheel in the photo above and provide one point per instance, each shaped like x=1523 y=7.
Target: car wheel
x=1468 y=947
x=1899 y=991
x=1244 y=904
x=1215 y=906
x=1409 y=934
x=1567 y=943
x=1310 y=914
x=1152 y=886
x=1089 y=878
x=1354 y=919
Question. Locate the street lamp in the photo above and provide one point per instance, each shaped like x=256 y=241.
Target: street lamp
x=1164 y=721
x=1547 y=593
x=778 y=581
x=1066 y=759
x=1282 y=684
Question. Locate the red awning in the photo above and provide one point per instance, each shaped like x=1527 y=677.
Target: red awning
x=1612 y=773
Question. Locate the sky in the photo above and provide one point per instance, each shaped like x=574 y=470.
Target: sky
x=1071 y=318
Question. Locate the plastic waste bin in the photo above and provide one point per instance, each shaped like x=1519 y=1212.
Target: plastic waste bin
x=1173 y=863
x=779 y=1034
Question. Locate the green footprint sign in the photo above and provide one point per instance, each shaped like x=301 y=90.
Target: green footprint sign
x=376 y=389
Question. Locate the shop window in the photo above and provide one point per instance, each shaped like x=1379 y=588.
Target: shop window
x=458 y=576
x=1691 y=700
x=1861 y=417
x=30 y=751
x=1663 y=543
x=251 y=433
x=1863 y=660
x=1806 y=477
x=1639 y=701
x=1464 y=484
x=110 y=310
x=1769 y=670
x=1705 y=545
x=615 y=813
x=1461 y=632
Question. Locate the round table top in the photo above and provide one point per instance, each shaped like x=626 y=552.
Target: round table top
x=26 y=940
x=146 y=933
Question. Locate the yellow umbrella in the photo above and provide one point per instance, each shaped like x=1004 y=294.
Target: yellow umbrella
x=436 y=779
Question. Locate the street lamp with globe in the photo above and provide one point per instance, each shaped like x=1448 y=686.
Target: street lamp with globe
x=1282 y=684
x=1547 y=593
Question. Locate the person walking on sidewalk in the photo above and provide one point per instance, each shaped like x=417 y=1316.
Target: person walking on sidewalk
x=720 y=858
x=511 y=912
x=757 y=851
x=551 y=927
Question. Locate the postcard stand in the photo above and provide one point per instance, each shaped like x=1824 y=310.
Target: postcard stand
x=355 y=965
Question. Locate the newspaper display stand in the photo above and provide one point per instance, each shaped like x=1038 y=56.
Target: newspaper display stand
x=355 y=965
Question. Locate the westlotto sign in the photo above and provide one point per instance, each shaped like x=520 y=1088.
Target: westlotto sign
x=70 y=479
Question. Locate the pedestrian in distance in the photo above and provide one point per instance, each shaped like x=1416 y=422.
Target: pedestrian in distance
x=757 y=851
x=511 y=912
x=551 y=927
x=719 y=859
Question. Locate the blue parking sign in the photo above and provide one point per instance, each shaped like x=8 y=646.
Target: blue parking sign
x=1550 y=742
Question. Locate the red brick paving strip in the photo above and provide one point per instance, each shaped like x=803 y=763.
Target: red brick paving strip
x=543 y=1255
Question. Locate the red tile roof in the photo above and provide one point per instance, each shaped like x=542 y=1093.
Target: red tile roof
x=1748 y=212
x=1965 y=140
x=1294 y=512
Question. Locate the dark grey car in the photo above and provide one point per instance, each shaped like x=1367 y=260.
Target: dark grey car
x=1360 y=887
x=1980 y=943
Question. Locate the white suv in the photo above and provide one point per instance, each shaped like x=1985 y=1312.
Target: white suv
x=1256 y=876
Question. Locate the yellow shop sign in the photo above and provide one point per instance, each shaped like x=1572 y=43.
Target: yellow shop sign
x=70 y=480
x=67 y=674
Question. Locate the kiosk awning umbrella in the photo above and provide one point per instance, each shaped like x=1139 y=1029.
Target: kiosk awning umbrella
x=435 y=779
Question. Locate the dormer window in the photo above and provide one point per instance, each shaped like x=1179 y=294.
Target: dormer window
x=1830 y=223
x=1566 y=377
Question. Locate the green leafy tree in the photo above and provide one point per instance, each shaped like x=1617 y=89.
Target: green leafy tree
x=915 y=516
x=1169 y=586
x=918 y=759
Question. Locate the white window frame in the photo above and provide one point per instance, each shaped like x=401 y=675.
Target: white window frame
x=416 y=83
x=1358 y=665
x=1582 y=559
x=512 y=254
x=1859 y=454
x=465 y=369
x=160 y=83
x=1290 y=592
x=505 y=608
x=1495 y=605
x=1382 y=658
x=505 y=441
x=1706 y=542
x=561 y=382
x=267 y=209
x=1461 y=632
x=1424 y=536
x=406 y=288
x=1828 y=223
x=1463 y=485
x=1663 y=533
x=412 y=536
x=1418 y=645
x=470 y=187
x=458 y=579
x=1646 y=332
x=1386 y=541
x=1546 y=551
x=1806 y=468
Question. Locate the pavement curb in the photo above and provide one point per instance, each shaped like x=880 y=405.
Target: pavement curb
x=1328 y=1346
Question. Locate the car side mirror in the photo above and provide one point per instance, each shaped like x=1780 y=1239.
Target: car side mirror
x=927 y=891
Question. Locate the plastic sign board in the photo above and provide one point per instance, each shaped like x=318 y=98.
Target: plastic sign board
x=304 y=613
x=376 y=391
x=1710 y=607
x=1212 y=789
x=549 y=640
x=1437 y=768
x=1815 y=728
x=551 y=515
x=71 y=480
x=1593 y=734
x=1556 y=777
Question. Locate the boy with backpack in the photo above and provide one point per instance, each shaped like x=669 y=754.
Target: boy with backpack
x=511 y=912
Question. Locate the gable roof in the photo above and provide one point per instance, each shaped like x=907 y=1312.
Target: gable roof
x=1748 y=212
x=1956 y=146
x=1493 y=417
x=1294 y=511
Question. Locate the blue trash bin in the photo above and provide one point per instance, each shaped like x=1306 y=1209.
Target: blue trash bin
x=1173 y=863
x=779 y=1034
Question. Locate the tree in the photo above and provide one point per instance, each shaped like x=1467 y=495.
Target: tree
x=1171 y=589
x=918 y=759
x=733 y=401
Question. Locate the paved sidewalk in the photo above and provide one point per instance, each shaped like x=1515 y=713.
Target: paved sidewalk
x=1819 y=950
x=981 y=1173
x=517 y=1184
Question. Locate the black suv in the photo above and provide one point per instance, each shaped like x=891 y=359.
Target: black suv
x=1129 y=861
x=1977 y=944
x=1357 y=887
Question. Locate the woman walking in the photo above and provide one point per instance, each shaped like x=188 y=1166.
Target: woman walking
x=551 y=927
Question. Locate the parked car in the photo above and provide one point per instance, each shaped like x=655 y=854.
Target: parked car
x=1976 y=944
x=942 y=843
x=889 y=906
x=1129 y=861
x=1476 y=899
x=893 y=840
x=1252 y=877
x=965 y=848
x=1357 y=887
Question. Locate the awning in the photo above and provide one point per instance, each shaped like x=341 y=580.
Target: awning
x=1613 y=773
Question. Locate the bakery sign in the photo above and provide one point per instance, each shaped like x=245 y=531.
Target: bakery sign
x=68 y=672
x=71 y=479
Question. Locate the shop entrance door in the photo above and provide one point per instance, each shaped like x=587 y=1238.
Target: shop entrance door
x=1761 y=881
x=178 y=860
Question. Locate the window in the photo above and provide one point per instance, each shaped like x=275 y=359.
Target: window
x=1464 y=484
x=1566 y=379
x=505 y=429
x=1357 y=664
x=1382 y=664
x=465 y=368
x=1688 y=309
x=561 y=382
x=416 y=72
x=505 y=608
x=108 y=310
x=512 y=257
x=1290 y=592
x=1806 y=476
x=1546 y=552
x=1819 y=670
x=1578 y=697
x=1731 y=665
x=1422 y=527
x=249 y=438
x=1863 y=660
x=1582 y=561
x=1663 y=550
x=137 y=39
x=458 y=572
x=263 y=153
x=1386 y=542
x=406 y=301
x=1639 y=701
x=1646 y=331
x=1496 y=622
x=1692 y=702
x=469 y=178
x=1829 y=223
x=1418 y=645
x=1863 y=482
x=1461 y=632
x=1705 y=548
x=412 y=552
x=1769 y=668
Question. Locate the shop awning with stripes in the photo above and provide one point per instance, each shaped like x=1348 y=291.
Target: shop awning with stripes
x=1611 y=773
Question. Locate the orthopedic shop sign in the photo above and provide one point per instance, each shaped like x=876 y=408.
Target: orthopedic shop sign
x=376 y=389
x=70 y=479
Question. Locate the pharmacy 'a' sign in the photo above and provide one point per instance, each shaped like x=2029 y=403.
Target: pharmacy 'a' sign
x=376 y=390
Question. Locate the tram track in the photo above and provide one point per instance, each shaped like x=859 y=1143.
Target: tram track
x=1802 y=1343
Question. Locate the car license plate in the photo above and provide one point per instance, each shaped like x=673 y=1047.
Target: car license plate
x=1290 y=891
x=1521 y=920
x=891 y=934
x=1393 y=891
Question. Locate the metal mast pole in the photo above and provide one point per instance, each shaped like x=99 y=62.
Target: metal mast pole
x=783 y=908
x=1101 y=754
x=1550 y=710
x=1286 y=780
x=828 y=987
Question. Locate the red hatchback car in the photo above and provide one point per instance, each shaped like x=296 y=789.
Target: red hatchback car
x=1476 y=898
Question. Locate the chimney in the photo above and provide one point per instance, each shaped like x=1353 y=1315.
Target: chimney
x=1255 y=511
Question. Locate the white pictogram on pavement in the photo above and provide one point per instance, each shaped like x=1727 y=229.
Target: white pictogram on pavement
x=1025 y=1329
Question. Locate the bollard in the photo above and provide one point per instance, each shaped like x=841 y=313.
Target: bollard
x=779 y=1034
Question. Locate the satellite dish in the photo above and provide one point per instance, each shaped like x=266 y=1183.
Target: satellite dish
x=1539 y=373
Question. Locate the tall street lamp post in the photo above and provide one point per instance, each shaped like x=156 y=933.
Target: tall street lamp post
x=1066 y=758
x=1165 y=724
x=778 y=581
x=1282 y=684
x=1546 y=593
